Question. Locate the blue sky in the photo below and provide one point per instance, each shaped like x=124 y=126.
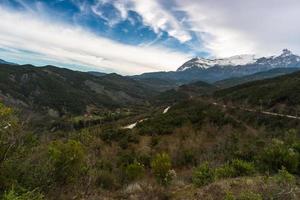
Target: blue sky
x=136 y=36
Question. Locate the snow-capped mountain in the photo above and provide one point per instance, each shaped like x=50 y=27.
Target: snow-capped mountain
x=212 y=70
x=203 y=63
x=286 y=59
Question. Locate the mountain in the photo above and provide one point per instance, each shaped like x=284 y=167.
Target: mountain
x=99 y=74
x=276 y=94
x=203 y=63
x=285 y=60
x=220 y=69
x=62 y=91
x=5 y=62
x=254 y=77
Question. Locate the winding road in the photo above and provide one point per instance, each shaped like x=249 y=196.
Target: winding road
x=257 y=111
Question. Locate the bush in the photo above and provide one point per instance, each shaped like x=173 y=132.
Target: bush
x=68 y=160
x=225 y=171
x=235 y=168
x=250 y=196
x=203 y=175
x=134 y=171
x=242 y=168
x=25 y=195
x=278 y=155
x=161 y=167
x=284 y=179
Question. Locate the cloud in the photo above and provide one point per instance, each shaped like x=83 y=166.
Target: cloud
x=156 y=16
x=230 y=27
x=62 y=43
x=153 y=15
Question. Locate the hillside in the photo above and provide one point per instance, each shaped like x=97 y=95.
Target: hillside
x=62 y=91
x=255 y=77
x=281 y=94
x=184 y=92
x=194 y=151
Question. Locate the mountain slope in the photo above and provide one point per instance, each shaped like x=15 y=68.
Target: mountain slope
x=254 y=77
x=184 y=92
x=66 y=91
x=280 y=93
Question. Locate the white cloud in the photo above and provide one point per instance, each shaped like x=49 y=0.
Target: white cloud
x=61 y=43
x=230 y=27
x=155 y=16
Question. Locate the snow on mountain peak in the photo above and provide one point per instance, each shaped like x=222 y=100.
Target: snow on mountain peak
x=285 y=59
x=207 y=63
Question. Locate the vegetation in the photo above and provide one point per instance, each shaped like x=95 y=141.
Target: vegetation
x=280 y=94
x=197 y=150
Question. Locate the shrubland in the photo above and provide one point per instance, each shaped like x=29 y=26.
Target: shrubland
x=195 y=151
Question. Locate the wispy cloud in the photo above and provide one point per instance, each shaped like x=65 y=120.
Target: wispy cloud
x=63 y=43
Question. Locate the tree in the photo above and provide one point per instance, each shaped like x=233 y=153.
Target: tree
x=68 y=160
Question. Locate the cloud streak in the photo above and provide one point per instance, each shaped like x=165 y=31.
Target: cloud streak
x=61 y=43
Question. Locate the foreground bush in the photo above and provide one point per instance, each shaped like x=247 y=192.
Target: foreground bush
x=278 y=155
x=68 y=160
x=25 y=195
x=203 y=175
x=161 y=167
x=235 y=168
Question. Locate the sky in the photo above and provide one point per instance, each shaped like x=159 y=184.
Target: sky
x=137 y=36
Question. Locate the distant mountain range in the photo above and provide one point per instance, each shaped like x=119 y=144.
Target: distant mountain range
x=62 y=91
x=219 y=69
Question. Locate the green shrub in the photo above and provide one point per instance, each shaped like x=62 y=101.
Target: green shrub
x=225 y=171
x=25 y=195
x=161 y=167
x=134 y=171
x=284 y=178
x=68 y=160
x=285 y=186
x=203 y=175
x=250 y=196
x=242 y=168
x=235 y=168
x=229 y=196
x=278 y=155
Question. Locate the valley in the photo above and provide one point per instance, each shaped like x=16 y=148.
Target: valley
x=149 y=100
x=82 y=135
